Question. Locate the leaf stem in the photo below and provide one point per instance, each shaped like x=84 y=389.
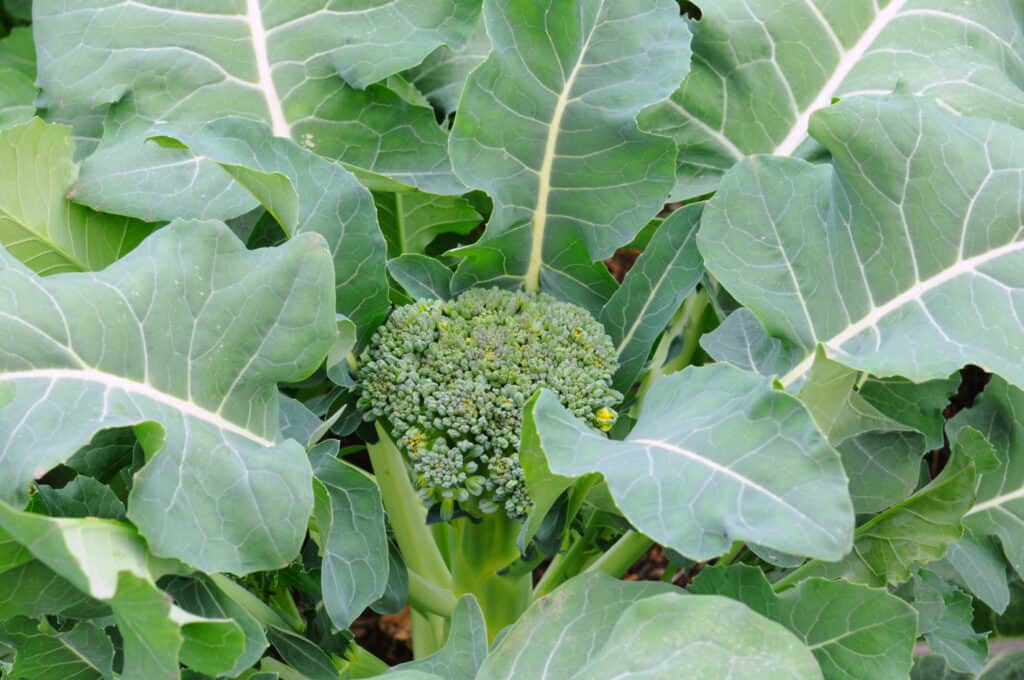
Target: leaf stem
x=735 y=551
x=791 y=579
x=685 y=323
x=428 y=597
x=406 y=513
x=630 y=547
x=568 y=562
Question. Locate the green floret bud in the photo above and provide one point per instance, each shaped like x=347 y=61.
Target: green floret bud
x=451 y=378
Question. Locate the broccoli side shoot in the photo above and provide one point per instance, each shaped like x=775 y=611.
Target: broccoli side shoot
x=450 y=379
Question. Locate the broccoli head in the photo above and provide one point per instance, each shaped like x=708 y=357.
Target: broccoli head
x=450 y=379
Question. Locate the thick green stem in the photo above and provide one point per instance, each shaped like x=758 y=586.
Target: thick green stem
x=685 y=323
x=479 y=552
x=630 y=547
x=408 y=518
x=791 y=579
x=427 y=633
x=698 y=304
x=429 y=598
x=406 y=512
x=569 y=563
x=360 y=663
x=730 y=557
x=256 y=607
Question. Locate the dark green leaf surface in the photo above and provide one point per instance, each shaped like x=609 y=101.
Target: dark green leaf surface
x=661 y=278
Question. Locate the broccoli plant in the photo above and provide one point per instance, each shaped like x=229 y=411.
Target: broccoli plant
x=511 y=339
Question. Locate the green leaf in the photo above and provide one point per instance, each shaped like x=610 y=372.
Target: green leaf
x=307 y=193
x=919 y=405
x=716 y=456
x=443 y=73
x=944 y=615
x=35 y=590
x=350 y=518
x=38 y=225
x=17 y=76
x=191 y=332
x=980 y=566
x=854 y=631
x=81 y=497
x=302 y=655
x=661 y=278
x=200 y=596
x=82 y=653
x=19 y=9
x=297 y=421
x=422 y=277
x=865 y=258
x=999 y=509
x=114 y=71
x=465 y=649
x=411 y=220
x=761 y=69
x=109 y=561
x=594 y=627
x=371 y=42
x=918 y=530
x=107 y=452
x=881 y=456
x=547 y=127
x=741 y=341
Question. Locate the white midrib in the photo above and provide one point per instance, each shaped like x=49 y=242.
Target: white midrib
x=727 y=471
x=996 y=502
x=912 y=294
x=254 y=17
x=847 y=60
x=540 y=214
x=134 y=387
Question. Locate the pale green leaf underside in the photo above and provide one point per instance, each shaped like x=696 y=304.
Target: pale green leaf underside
x=141 y=63
x=716 y=456
x=547 y=126
x=892 y=257
x=38 y=225
x=192 y=332
x=108 y=561
x=797 y=56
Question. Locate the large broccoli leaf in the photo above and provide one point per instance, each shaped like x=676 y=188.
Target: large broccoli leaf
x=902 y=257
x=38 y=225
x=595 y=627
x=761 y=69
x=114 y=69
x=716 y=456
x=190 y=332
x=547 y=126
x=109 y=561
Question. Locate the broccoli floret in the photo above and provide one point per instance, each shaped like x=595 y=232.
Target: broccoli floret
x=450 y=379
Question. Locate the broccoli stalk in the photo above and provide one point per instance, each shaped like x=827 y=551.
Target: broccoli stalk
x=447 y=381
